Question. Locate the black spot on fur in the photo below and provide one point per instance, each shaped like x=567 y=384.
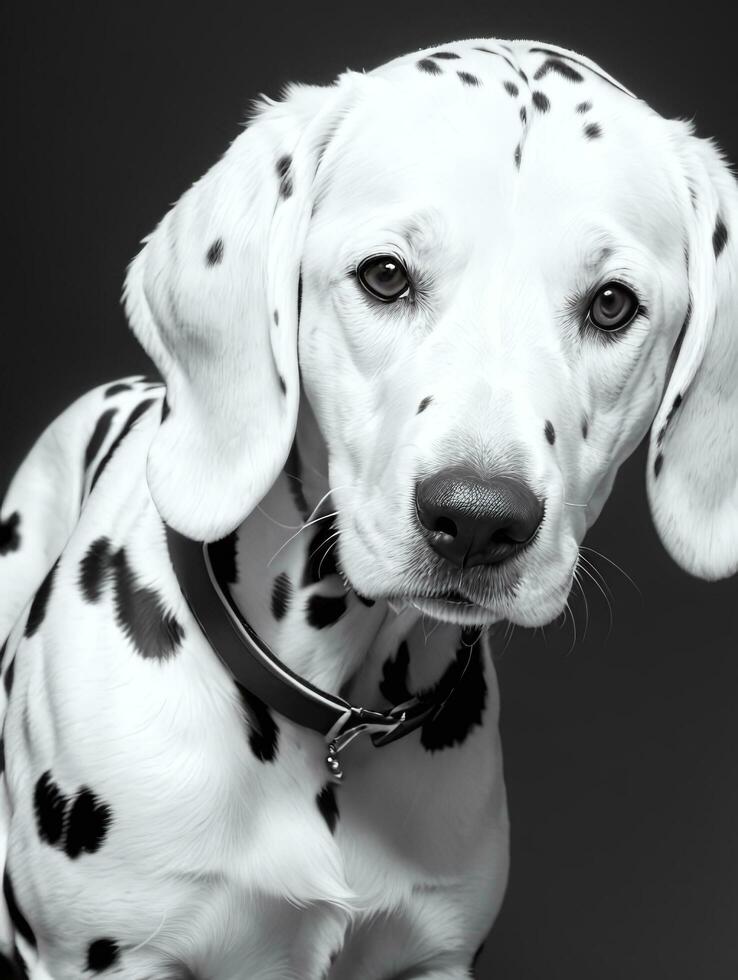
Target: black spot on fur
x=444 y=54
x=164 y=409
x=2 y=755
x=135 y=415
x=9 y=675
x=657 y=464
x=541 y=102
x=593 y=131
x=393 y=685
x=98 y=436
x=139 y=611
x=594 y=71
x=87 y=824
x=428 y=66
x=560 y=68
x=518 y=155
x=101 y=954
x=523 y=115
x=293 y=472
x=325 y=610
x=16 y=916
x=3 y=648
x=364 y=599
x=522 y=74
x=49 y=804
x=583 y=107
x=15 y=968
x=263 y=730
x=281 y=595
x=512 y=89
x=550 y=432
x=299 y=297
x=282 y=384
x=425 y=402
x=93 y=569
x=585 y=428
x=719 y=237
x=214 y=254
x=117 y=389
x=468 y=79
x=40 y=601
x=326 y=800
x=322 y=552
x=285 y=177
x=9 y=536
x=223 y=557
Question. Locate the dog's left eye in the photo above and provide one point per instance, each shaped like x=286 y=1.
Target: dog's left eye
x=613 y=307
x=384 y=277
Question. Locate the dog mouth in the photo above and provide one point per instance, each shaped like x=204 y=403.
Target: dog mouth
x=448 y=606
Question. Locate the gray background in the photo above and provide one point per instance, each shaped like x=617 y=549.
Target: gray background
x=620 y=748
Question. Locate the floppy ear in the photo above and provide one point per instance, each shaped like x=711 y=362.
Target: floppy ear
x=693 y=457
x=213 y=298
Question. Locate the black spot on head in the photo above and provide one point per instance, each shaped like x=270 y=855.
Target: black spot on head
x=101 y=954
x=9 y=675
x=511 y=88
x=523 y=115
x=135 y=415
x=16 y=916
x=155 y=633
x=445 y=54
x=468 y=79
x=164 y=409
x=281 y=595
x=428 y=66
x=223 y=555
x=285 y=177
x=523 y=75
x=550 y=432
x=263 y=730
x=541 y=102
x=657 y=464
x=425 y=402
x=88 y=821
x=49 y=804
x=593 y=131
x=560 y=68
x=583 y=107
x=293 y=472
x=117 y=389
x=585 y=428
x=719 y=237
x=518 y=155
x=9 y=536
x=40 y=601
x=214 y=254
x=325 y=610
x=93 y=569
x=326 y=800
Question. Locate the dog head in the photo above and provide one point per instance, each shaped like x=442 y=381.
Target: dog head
x=505 y=268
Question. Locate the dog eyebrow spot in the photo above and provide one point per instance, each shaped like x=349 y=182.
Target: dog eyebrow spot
x=593 y=131
x=550 y=432
x=555 y=65
x=657 y=464
x=541 y=102
x=445 y=54
x=425 y=402
x=583 y=107
x=468 y=79
x=719 y=237
x=511 y=88
x=215 y=252
x=428 y=66
x=283 y=172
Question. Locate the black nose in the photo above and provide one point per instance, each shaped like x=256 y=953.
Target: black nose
x=471 y=521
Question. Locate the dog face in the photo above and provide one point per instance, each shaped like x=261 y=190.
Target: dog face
x=497 y=250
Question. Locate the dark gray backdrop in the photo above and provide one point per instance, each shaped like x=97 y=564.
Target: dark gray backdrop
x=621 y=750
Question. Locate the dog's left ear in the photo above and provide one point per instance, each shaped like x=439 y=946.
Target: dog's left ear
x=693 y=457
x=213 y=297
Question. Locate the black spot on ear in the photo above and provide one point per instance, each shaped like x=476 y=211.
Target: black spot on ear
x=523 y=115
x=657 y=464
x=585 y=428
x=285 y=177
x=293 y=472
x=117 y=389
x=49 y=804
x=223 y=556
x=93 y=569
x=393 y=685
x=560 y=68
x=101 y=954
x=444 y=54
x=88 y=821
x=719 y=237
x=282 y=383
x=40 y=601
x=550 y=432
x=583 y=107
x=263 y=730
x=593 y=131
x=9 y=675
x=541 y=102
x=16 y=916
x=299 y=296
x=9 y=536
x=98 y=436
x=468 y=79
x=326 y=800
x=164 y=409
x=325 y=610
x=135 y=415
x=425 y=402
x=321 y=552
x=214 y=254
x=511 y=88
x=517 y=156
x=428 y=66
x=281 y=595
x=140 y=613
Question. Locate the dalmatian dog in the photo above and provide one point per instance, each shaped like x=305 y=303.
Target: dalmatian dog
x=408 y=327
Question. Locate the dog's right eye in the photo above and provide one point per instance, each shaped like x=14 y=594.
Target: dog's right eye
x=384 y=277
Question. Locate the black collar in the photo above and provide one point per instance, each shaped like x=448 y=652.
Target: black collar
x=256 y=668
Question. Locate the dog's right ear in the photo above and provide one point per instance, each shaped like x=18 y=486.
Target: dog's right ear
x=213 y=298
